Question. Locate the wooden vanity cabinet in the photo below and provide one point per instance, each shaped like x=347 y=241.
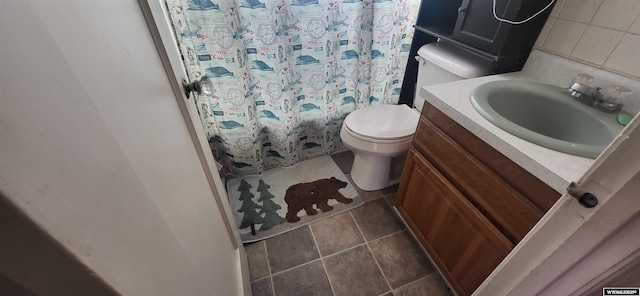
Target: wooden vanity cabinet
x=460 y=240
x=465 y=215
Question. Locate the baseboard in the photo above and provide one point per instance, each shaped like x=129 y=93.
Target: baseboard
x=243 y=272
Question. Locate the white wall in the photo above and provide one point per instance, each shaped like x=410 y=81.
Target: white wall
x=36 y=261
x=622 y=245
x=93 y=149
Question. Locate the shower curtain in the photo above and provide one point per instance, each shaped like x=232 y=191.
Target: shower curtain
x=287 y=72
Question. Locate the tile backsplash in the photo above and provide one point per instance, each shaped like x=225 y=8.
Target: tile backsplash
x=557 y=70
x=601 y=33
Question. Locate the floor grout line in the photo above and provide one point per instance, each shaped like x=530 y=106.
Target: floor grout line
x=372 y=255
x=385 y=236
x=380 y=268
x=291 y=268
x=343 y=251
x=324 y=266
x=259 y=279
x=409 y=283
x=389 y=202
x=273 y=287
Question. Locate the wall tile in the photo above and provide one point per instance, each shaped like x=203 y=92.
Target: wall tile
x=591 y=49
x=635 y=28
x=617 y=14
x=545 y=31
x=596 y=45
x=579 y=10
x=557 y=8
x=564 y=36
x=625 y=57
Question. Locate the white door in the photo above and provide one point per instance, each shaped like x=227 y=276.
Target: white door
x=573 y=249
x=94 y=149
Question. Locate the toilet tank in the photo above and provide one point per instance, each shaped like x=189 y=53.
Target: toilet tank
x=440 y=62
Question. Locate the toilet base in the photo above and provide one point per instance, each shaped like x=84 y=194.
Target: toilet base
x=371 y=172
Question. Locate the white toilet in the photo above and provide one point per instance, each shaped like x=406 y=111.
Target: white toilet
x=380 y=135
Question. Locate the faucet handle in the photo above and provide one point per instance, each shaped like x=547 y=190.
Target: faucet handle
x=615 y=94
x=579 y=87
x=583 y=79
x=610 y=101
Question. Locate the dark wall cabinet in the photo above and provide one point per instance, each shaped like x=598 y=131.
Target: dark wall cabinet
x=476 y=26
x=470 y=24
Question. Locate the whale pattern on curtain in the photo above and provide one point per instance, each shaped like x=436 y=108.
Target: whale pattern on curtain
x=287 y=72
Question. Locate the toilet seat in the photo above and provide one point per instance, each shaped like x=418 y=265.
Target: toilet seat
x=373 y=140
x=382 y=123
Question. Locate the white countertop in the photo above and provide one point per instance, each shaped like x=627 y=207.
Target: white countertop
x=554 y=168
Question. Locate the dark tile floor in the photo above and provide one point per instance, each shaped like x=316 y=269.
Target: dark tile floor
x=364 y=251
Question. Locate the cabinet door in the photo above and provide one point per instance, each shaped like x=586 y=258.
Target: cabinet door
x=477 y=27
x=463 y=244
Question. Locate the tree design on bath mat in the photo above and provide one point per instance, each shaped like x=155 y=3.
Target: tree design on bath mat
x=251 y=216
x=305 y=195
x=269 y=208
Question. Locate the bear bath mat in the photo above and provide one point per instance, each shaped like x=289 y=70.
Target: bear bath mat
x=284 y=199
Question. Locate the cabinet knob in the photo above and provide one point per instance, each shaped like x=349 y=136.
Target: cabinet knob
x=461 y=9
x=585 y=199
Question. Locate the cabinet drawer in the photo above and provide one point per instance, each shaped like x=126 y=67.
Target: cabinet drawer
x=464 y=245
x=536 y=191
x=511 y=212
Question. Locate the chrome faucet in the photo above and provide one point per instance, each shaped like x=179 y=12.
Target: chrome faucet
x=592 y=97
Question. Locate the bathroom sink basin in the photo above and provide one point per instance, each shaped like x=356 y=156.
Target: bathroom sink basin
x=546 y=115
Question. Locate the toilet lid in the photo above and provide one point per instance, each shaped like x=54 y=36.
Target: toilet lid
x=383 y=121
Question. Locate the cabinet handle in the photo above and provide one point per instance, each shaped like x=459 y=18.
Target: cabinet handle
x=461 y=10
